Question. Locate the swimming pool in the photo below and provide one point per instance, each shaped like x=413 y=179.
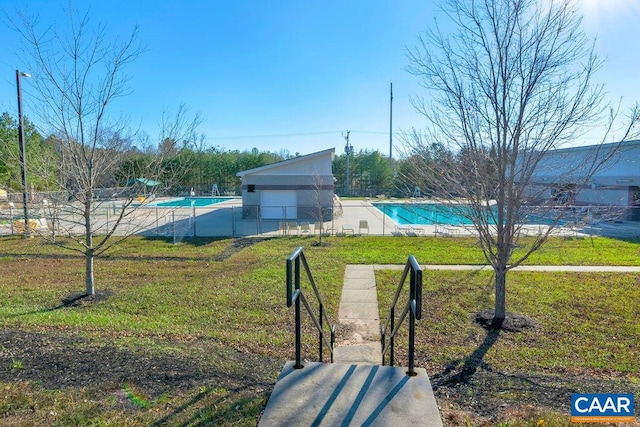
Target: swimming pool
x=187 y=202
x=423 y=213
x=438 y=213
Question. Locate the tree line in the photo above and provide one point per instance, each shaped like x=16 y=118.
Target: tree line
x=209 y=171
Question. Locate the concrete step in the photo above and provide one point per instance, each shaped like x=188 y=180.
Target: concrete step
x=332 y=394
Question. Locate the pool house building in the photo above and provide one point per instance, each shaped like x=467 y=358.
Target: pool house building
x=297 y=188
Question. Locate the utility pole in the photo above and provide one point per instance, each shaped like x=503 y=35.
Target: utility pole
x=23 y=156
x=391 y=127
x=348 y=149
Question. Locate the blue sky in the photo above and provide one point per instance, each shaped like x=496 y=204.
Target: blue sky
x=307 y=70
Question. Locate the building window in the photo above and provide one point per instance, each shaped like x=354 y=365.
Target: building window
x=251 y=188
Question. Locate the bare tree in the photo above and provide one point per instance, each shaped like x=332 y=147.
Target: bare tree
x=77 y=75
x=511 y=82
x=322 y=206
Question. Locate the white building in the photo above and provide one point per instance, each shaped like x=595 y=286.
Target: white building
x=297 y=188
x=563 y=175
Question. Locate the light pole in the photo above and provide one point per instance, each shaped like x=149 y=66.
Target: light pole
x=23 y=155
x=348 y=149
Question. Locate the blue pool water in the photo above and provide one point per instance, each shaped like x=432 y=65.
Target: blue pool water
x=434 y=213
x=190 y=201
x=423 y=213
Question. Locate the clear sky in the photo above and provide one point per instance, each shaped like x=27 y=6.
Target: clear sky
x=291 y=75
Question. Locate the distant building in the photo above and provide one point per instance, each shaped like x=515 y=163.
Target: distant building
x=562 y=173
x=297 y=188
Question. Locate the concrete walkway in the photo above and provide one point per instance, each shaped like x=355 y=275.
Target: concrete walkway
x=358 y=318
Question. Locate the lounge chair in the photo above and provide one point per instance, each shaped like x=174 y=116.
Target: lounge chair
x=448 y=231
x=346 y=229
x=416 y=231
x=409 y=231
x=292 y=226
x=322 y=229
x=364 y=225
x=329 y=231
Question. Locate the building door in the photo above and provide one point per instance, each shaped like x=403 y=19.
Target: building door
x=279 y=204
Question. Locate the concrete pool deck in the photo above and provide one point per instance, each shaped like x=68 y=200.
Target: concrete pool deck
x=225 y=219
x=379 y=224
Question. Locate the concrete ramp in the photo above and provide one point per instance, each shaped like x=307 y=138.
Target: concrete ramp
x=343 y=394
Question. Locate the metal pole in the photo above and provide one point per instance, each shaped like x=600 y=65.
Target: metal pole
x=391 y=126
x=23 y=155
x=233 y=221
x=320 y=340
x=11 y=216
x=258 y=221
x=298 y=364
x=412 y=346
x=193 y=206
x=412 y=322
x=173 y=224
x=347 y=149
x=392 y=338
x=384 y=208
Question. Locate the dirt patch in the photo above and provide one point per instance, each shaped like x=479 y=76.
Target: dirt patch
x=467 y=389
x=56 y=360
x=489 y=395
x=513 y=322
x=82 y=299
x=236 y=246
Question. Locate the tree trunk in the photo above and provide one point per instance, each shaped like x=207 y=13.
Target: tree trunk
x=88 y=274
x=89 y=250
x=501 y=281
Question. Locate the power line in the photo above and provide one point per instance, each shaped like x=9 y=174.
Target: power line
x=369 y=131
x=284 y=135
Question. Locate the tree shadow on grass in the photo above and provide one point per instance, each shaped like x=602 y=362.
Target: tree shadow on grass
x=460 y=371
x=455 y=374
x=211 y=408
x=82 y=299
x=72 y=300
x=191 y=241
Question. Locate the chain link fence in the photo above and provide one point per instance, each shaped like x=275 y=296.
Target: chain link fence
x=176 y=223
x=231 y=219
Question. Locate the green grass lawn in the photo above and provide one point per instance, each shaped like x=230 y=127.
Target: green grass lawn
x=218 y=308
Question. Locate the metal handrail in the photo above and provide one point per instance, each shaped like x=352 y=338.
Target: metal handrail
x=295 y=295
x=413 y=307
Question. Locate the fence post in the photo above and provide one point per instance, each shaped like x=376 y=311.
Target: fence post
x=258 y=221
x=384 y=213
x=193 y=206
x=173 y=224
x=233 y=221
x=11 y=218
